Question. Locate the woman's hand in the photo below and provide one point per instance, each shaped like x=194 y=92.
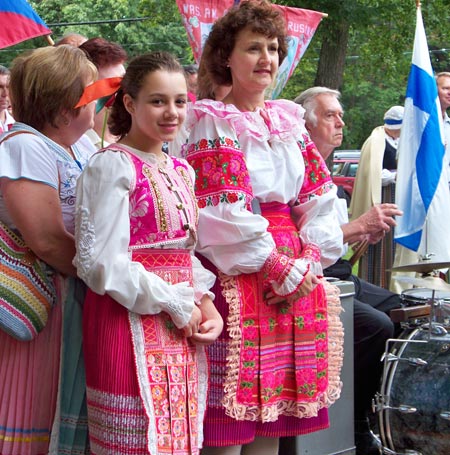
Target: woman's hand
x=310 y=281
x=211 y=325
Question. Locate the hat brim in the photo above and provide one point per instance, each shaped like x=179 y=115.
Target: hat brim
x=393 y=127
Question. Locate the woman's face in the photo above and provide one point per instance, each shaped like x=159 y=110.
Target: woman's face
x=84 y=120
x=253 y=61
x=160 y=107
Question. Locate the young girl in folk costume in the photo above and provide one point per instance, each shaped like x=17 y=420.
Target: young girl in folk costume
x=149 y=311
x=268 y=226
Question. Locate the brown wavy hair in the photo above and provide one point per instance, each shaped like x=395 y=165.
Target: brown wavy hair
x=260 y=17
x=47 y=81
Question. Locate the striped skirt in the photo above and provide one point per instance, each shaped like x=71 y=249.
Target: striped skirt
x=146 y=383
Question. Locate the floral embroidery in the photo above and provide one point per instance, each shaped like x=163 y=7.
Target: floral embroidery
x=277 y=267
x=317 y=176
x=221 y=175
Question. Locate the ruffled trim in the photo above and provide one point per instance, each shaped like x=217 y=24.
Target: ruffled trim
x=287 y=408
x=335 y=345
x=279 y=121
x=231 y=294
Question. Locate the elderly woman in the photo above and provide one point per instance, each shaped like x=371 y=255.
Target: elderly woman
x=267 y=225
x=40 y=161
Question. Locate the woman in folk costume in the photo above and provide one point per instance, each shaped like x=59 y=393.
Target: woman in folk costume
x=266 y=211
x=42 y=382
x=375 y=184
x=148 y=312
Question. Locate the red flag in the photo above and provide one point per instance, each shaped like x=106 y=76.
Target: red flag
x=19 y=23
x=301 y=26
x=199 y=16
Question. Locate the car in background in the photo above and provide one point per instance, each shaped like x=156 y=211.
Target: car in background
x=345 y=165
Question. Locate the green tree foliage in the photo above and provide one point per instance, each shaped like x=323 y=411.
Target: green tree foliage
x=363 y=47
x=374 y=73
x=116 y=20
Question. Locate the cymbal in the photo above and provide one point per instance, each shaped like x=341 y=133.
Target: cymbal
x=421 y=267
x=429 y=282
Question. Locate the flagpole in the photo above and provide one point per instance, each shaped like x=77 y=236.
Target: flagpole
x=49 y=40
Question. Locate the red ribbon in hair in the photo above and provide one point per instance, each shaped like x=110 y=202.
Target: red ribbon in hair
x=99 y=89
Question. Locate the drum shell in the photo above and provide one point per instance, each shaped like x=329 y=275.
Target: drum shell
x=423 y=387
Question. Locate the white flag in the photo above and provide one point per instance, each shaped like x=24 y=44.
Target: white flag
x=422 y=189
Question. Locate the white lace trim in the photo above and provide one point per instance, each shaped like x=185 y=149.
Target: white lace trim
x=85 y=243
x=181 y=307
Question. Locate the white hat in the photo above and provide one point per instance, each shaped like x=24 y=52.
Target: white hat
x=393 y=117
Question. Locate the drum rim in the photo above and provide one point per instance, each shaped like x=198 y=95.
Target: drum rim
x=389 y=372
x=389 y=376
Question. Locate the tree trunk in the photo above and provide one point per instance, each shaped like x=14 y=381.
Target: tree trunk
x=330 y=71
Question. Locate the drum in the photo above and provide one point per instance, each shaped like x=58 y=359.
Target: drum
x=421 y=296
x=414 y=403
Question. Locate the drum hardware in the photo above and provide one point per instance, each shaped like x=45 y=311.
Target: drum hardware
x=411 y=360
x=403 y=408
x=437 y=310
x=387 y=451
x=436 y=329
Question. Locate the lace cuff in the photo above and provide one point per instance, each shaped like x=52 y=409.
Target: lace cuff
x=181 y=306
x=294 y=279
x=311 y=253
x=277 y=267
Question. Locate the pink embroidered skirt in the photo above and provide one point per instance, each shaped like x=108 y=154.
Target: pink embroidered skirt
x=269 y=369
x=145 y=382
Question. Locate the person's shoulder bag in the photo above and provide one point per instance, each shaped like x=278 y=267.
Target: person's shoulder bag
x=27 y=288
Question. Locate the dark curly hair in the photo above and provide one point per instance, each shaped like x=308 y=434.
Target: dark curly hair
x=260 y=17
x=119 y=121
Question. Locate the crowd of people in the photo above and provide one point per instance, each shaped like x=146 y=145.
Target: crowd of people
x=190 y=225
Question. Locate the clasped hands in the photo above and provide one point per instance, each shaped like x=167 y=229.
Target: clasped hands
x=206 y=323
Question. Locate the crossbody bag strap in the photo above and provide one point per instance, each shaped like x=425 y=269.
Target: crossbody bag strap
x=14 y=133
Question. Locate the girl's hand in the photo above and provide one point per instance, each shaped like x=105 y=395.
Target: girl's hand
x=192 y=326
x=211 y=325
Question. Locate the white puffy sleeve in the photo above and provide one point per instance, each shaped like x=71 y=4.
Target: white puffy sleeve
x=318 y=223
x=233 y=238
x=102 y=238
x=316 y=212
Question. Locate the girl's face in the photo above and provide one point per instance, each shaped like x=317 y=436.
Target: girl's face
x=254 y=61
x=159 y=109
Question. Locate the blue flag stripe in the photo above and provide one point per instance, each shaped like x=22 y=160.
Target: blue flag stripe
x=20 y=7
x=429 y=160
x=422 y=89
